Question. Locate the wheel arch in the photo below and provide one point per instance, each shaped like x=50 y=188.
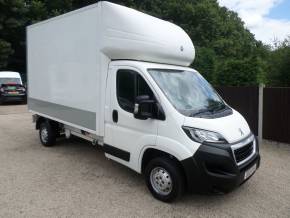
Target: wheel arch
x=151 y=153
x=40 y=120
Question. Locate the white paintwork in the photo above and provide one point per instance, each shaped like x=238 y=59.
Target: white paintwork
x=130 y=34
x=10 y=74
x=71 y=62
x=170 y=137
x=227 y=126
x=71 y=52
x=128 y=134
x=64 y=65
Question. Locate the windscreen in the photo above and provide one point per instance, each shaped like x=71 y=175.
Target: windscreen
x=188 y=91
x=9 y=80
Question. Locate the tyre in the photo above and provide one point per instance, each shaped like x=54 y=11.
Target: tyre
x=47 y=134
x=164 y=179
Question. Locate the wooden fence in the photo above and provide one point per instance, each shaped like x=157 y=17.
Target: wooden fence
x=245 y=100
x=276 y=109
x=276 y=114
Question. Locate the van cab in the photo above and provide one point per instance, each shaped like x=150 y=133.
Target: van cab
x=174 y=112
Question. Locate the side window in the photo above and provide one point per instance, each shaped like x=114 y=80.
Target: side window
x=143 y=88
x=130 y=85
x=126 y=89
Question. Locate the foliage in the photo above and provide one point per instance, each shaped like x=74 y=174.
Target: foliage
x=229 y=72
x=12 y=34
x=5 y=52
x=279 y=65
x=226 y=52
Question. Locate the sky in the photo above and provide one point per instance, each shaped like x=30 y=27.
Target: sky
x=266 y=19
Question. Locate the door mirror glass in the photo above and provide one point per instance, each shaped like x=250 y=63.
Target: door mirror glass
x=144 y=107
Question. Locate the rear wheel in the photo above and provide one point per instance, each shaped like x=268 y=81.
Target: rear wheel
x=47 y=134
x=164 y=179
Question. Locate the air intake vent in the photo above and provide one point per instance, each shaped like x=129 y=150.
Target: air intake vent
x=244 y=152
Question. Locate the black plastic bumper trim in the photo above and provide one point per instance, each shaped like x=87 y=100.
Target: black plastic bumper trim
x=124 y=155
x=213 y=169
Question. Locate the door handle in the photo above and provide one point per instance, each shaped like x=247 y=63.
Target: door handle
x=115 y=116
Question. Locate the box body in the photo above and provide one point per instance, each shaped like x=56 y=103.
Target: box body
x=68 y=58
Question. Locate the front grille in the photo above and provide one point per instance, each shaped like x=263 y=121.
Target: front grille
x=244 y=152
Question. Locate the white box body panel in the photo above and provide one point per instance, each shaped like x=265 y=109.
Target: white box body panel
x=69 y=55
x=64 y=68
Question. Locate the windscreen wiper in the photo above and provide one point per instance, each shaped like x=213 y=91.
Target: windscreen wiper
x=201 y=111
x=211 y=110
x=218 y=107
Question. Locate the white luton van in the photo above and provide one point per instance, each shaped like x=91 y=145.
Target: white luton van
x=120 y=79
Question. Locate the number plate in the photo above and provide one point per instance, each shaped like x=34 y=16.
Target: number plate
x=13 y=93
x=250 y=171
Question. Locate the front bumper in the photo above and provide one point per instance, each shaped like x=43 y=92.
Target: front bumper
x=213 y=168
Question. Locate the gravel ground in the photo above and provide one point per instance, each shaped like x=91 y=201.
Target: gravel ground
x=74 y=179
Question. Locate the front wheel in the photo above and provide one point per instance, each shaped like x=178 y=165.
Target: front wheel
x=164 y=179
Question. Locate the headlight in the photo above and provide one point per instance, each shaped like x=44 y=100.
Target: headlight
x=2 y=90
x=200 y=135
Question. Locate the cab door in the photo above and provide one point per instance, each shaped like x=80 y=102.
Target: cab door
x=128 y=135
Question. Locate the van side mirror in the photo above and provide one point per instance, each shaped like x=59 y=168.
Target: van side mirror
x=144 y=107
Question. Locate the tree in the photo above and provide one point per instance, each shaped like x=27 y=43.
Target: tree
x=12 y=34
x=206 y=62
x=223 y=44
x=279 y=64
x=5 y=52
x=234 y=72
x=218 y=34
